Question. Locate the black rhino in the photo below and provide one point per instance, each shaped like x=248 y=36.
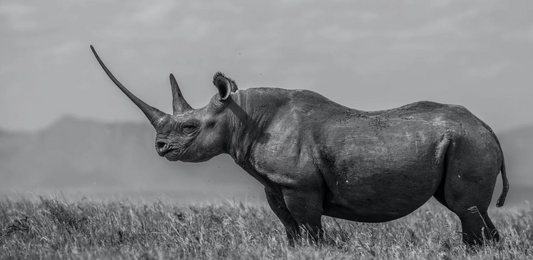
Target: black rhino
x=316 y=157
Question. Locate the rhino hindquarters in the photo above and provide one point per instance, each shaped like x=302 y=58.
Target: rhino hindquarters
x=471 y=169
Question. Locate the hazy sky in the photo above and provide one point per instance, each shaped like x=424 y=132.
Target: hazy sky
x=367 y=55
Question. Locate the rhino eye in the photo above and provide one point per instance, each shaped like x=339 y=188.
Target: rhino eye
x=189 y=128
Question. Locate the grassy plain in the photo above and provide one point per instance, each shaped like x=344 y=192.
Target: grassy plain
x=58 y=228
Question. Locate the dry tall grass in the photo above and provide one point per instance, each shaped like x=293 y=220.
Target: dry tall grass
x=54 y=228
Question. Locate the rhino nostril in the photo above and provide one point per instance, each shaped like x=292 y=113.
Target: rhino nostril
x=160 y=145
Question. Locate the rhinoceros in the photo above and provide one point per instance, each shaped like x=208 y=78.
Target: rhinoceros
x=316 y=157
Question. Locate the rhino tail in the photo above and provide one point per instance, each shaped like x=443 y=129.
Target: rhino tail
x=505 y=189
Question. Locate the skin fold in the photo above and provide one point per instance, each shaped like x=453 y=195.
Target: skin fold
x=316 y=157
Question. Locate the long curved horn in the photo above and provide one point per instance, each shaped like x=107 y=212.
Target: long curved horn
x=179 y=104
x=153 y=114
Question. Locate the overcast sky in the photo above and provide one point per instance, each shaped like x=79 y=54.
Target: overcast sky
x=369 y=55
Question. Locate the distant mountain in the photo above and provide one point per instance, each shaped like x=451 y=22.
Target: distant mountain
x=77 y=154
x=84 y=155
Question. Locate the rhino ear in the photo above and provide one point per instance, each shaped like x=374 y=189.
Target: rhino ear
x=224 y=85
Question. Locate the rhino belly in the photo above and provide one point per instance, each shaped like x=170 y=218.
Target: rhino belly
x=381 y=194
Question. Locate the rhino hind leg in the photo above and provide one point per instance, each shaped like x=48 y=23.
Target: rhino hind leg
x=491 y=231
x=471 y=221
x=478 y=228
x=469 y=181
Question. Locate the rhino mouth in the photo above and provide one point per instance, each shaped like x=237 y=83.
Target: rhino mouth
x=172 y=151
x=170 y=154
x=163 y=152
x=168 y=151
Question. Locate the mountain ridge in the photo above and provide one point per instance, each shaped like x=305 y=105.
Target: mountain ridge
x=72 y=149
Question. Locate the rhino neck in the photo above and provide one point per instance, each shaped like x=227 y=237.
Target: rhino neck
x=251 y=112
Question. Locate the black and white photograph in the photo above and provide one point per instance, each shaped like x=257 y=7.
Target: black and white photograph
x=173 y=129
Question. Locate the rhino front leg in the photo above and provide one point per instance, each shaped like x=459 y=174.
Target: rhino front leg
x=306 y=208
x=277 y=204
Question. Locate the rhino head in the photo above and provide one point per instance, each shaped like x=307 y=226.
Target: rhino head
x=189 y=135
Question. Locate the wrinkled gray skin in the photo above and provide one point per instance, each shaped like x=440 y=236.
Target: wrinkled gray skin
x=316 y=157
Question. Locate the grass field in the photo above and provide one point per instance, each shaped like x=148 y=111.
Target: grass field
x=57 y=228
